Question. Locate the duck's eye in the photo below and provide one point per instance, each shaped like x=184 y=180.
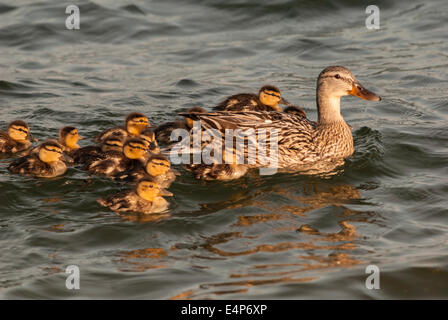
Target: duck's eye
x=337 y=76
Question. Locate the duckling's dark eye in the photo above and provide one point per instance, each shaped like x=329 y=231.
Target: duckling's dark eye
x=337 y=76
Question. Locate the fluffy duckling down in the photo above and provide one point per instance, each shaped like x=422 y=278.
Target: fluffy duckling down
x=135 y=123
x=17 y=137
x=45 y=163
x=146 y=198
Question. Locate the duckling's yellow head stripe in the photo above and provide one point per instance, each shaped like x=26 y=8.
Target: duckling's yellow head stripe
x=19 y=128
x=71 y=139
x=269 y=97
x=148 y=190
x=136 y=125
x=140 y=146
x=50 y=153
x=18 y=133
x=156 y=167
x=135 y=149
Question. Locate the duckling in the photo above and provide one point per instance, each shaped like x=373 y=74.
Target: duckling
x=221 y=172
x=45 y=163
x=157 y=167
x=69 y=137
x=135 y=123
x=16 y=139
x=267 y=100
x=163 y=132
x=135 y=153
x=295 y=110
x=146 y=198
x=150 y=138
x=110 y=147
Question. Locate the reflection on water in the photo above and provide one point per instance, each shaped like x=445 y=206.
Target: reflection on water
x=141 y=260
x=325 y=250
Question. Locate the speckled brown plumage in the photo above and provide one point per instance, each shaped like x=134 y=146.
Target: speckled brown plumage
x=129 y=201
x=32 y=165
x=8 y=145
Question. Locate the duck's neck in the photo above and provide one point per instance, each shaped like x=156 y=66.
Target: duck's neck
x=328 y=107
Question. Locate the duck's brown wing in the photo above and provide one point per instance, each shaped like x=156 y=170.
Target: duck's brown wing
x=117 y=131
x=261 y=129
x=134 y=172
x=6 y=144
x=86 y=154
x=120 y=202
x=30 y=164
x=163 y=132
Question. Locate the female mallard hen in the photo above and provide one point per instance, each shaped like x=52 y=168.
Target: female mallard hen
x=302 y=144
x=268 y=99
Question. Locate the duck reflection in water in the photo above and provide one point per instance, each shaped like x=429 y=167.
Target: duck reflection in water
x=318 y=205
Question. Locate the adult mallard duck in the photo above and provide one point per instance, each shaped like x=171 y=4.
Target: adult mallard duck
x=302 y=144
x=268 y=99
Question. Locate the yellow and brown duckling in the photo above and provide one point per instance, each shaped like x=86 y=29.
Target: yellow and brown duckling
x=69 y=137
x=223 y=171
x=135 y=153
x=163 y=132
x=45 y=163
x=268 y=99
x=146 y=198
x=157 y=167
x=17 y=138
x=149 y=137
x=110 y=147
x=295 y=110
x=135 y=123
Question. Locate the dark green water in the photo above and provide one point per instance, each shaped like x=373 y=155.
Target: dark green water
x=240 y=239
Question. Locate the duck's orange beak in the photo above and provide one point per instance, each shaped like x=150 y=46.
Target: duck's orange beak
x=361 y=92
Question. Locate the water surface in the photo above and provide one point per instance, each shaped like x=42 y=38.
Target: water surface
x=279 y=237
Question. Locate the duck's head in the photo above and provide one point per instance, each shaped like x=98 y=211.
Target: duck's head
x=149 y=189
x=112 y=143
x=18 y=130
x=69 y=137
x=150 y=138
x=157 y=165
x=135 y=148
x=136 y=122
x=333 y=83
x=271 y=96
x=50 y=151
x=189 y=121
x=338 y=81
